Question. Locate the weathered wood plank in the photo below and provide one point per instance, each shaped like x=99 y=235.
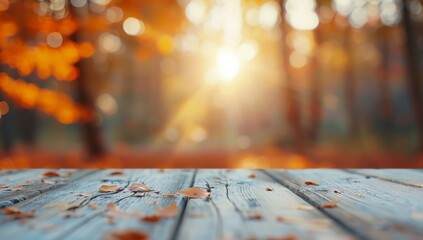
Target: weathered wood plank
x=23 y=185
x=370 y=207
x=92 y=224
x=241 y=208
x=404 y=176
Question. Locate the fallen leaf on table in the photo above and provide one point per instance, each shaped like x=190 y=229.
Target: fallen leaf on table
x=93 y=206
x=197 y=215
x=331 y=204
x=16 y=213
x=118 y=172
x=251 y=175
x=168 y=211
x=269 y=189
x=194 y=192
x=51 y=174
x=311 y=183
x=85 y=195
x=287 y=237
x=108 y=188
x=139 y=187
x=63 y=206
x=305 y=207
x=130 y=234
x=48 y=182
x=113 y=211
x=254 y=217
x=151 y=218
x=151 y=202
x=72 y=214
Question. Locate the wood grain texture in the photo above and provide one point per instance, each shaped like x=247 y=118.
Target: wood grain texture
x=370 y=207
x=51 y=223
x=240 y=208
x=23 y=185
x=410 y=177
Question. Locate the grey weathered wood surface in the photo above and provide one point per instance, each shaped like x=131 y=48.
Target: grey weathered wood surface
x=372 y=204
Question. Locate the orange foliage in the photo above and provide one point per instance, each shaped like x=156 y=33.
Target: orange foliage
x=56 y=104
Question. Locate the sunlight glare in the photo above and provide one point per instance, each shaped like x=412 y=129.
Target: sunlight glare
x=228 y=64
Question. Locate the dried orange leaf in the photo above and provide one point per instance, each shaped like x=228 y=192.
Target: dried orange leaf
x=139 y=187
x=168 y=211
x=16 y=213
x=311 y=183
x=287 y=237
x=251 y=175
x=93 y=206
x=118 y=172
x=269 y=189
x=51 y=174
x=108 y=188
x=63 y=206
x=127 y=235
x=305 y=207
x=88 y=195
x=197 y=215
x=151 y=218
x=72 y=214
x=331 y=204
x=254 y=217
x=194 y=192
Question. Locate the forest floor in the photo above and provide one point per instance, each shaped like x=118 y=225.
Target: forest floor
x=258 y=158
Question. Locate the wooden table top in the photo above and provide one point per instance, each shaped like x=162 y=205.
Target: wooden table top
x=228 y=204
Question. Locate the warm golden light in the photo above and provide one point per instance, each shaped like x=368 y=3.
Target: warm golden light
x=228 y=64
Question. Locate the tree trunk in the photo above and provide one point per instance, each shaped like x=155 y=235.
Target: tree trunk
x=93 y=139
x=350 y=86
x=291 y=97
x=413 y=79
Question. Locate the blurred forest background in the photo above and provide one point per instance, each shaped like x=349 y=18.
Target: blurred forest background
x=211 y=83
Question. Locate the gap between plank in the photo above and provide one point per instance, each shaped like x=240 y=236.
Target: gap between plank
x=183 y=209
x=307 y=199
x=382 y=178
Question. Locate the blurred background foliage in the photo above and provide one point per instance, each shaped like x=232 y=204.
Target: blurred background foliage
x=211 y=83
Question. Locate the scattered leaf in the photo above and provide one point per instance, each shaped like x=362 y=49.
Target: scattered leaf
x=118 y=172
x=269 y=189
x=251 y=175
x=93 y=206
x=126 y=235
x=305 y=207
x=197 y=215
x=51 y=174
x=311 y=183
x=151 y=218
x=48 y=181
x=113 y=211
x=16 y=213
x=63 y=206
x=109 y=188
x=151 y=202
x=88 y=195
x=254 y=217
x=72 y=214
x=194 y=192
x=331 y=204
x=280 y=219
x=287 y=237
x=139 y=187
x=168 y=211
